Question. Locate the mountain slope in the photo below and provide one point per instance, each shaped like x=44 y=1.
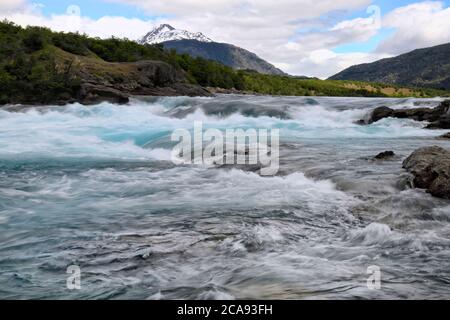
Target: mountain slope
x=429 y=67
x=227 y=54
x=198 y=45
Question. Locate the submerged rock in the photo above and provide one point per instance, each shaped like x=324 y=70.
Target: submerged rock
x=227 y=109
x=438 y=116
x=442 y=123
x=430 y=167
x=445 y=136
x=384 y=155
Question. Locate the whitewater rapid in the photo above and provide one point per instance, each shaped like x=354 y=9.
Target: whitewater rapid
x=94 y=186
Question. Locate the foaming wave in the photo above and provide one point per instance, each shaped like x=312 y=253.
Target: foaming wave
x=203 y=188
x=414 y=103
x=108 y=131
x=323 y=122
x=375 y=233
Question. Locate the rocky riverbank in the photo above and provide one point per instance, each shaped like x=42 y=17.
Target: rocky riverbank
x=117 y=82
x=88 y=80
x=429 y=166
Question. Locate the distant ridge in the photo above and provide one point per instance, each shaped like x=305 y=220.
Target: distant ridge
x=428 y=67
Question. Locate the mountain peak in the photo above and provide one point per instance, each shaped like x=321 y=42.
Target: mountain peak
x=166 y=32
x=164 y=28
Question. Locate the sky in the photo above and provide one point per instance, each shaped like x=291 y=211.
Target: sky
x=302 y=37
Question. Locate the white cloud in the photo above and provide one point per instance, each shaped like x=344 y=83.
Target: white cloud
x=287 y=9
x=10 y=4
x=417 y=25
x=311 y=53
x=323 y=63
x=29 y=14
x=104 y=27
x=250 y=23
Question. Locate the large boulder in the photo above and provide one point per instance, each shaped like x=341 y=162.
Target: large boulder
x=430 y=167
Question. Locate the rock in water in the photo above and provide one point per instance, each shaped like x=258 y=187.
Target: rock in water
x=431 y=169
x=445 y=136
x=438 y=116
x=380 y=113
x=442 y=123
x=385 y=155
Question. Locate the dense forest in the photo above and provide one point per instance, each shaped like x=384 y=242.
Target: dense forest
x=28 y=68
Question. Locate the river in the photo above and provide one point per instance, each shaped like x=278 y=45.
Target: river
x=95 y=187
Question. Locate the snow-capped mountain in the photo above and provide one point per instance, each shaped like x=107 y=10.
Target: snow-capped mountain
x=166 y=32
x=198 y=45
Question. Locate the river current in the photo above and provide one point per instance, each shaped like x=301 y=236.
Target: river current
x=95 y=187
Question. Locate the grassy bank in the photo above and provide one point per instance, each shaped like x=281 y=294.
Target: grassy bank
x=282 y=85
